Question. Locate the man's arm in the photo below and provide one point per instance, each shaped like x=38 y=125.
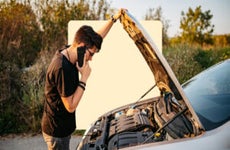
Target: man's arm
x=73 y=100
x=106 y=28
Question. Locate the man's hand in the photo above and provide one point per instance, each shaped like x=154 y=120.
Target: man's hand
x=118 y=15
x=85 y=70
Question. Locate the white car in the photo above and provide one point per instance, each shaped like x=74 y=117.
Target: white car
x=194 y=116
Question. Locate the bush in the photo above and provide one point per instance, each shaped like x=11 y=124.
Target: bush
x=10 y=102
x=19 y=46
x=187 y=61
x=207 y=58
x=181 y=59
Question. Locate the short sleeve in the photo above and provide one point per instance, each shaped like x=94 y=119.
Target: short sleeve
x=66 y=79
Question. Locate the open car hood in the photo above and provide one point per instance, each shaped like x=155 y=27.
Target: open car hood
x=161 y=118
x=165 y=79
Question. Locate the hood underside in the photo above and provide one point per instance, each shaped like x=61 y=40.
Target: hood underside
x=158 y=65
x=165 y=79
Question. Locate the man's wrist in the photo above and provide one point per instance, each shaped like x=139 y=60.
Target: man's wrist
x=113 y=19
x=82 y=85
x=83 y=79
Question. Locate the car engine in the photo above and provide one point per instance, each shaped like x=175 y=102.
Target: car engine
x=148 y=121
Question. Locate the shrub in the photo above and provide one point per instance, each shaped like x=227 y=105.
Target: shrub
x=187 y=61
x=181 y=60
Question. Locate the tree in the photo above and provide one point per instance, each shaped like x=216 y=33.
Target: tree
x=196 y=26
x=157 y=15
x=55 y=15
x=19 y=46
x=19 y=34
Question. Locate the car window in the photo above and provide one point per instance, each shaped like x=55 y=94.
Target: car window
x=209 y=94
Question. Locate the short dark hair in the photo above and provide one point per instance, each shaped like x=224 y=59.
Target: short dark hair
x=87 y=35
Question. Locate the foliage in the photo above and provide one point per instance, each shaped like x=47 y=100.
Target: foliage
x=79 y=132
x=187 y=61
x=10 y=103
x=33 y=79
x=218 y=41
x=55 y=15
x=221 y=40
x=157 y=15
x=19 y=34
x=19 y=46
x=196 y=26
x=181 y=60
x=207 y=58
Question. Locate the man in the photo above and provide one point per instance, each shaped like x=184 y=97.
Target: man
x=64 y=87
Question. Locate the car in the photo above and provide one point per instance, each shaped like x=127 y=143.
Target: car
x=191 y=116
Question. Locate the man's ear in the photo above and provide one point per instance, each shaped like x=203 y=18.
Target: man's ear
x=80 y=44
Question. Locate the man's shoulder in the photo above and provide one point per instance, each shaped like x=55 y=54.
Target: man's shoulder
x=56 y=62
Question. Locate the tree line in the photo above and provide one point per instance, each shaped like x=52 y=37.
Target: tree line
x=32 y=30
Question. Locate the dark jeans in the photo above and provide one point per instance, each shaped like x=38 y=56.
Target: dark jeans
x=55 y=143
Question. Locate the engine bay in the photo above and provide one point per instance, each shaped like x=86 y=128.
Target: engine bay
x=152 y=120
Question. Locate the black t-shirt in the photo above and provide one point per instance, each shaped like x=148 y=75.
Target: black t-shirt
x=61 y=81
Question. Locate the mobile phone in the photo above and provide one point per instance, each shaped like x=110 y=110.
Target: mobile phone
x=80 y=55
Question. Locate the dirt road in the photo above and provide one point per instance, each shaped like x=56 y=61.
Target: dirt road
x=29 y=142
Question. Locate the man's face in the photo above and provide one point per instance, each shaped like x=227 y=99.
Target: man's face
x=90 y=53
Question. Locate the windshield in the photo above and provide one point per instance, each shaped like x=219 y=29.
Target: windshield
x=209 y=94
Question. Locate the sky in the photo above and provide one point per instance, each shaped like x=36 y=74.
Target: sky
x=171 y=9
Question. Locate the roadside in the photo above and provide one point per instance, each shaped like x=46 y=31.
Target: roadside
x=30 y=142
